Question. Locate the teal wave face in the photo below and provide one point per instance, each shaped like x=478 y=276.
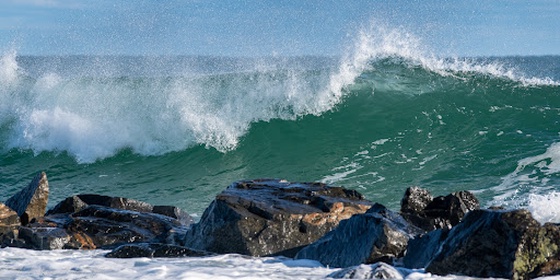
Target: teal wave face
x=398 y=123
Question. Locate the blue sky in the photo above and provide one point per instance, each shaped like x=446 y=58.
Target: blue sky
x=270 y=27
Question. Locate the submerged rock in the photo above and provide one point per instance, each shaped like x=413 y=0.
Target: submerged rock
x=505 y=244
x=419 y=208
x=272 y=217
x=154 y=250
x=31 y=202
x=378 y=235
x=374 y=271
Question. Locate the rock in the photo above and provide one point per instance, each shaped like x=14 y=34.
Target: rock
x=109 y=227
x=9 y=219
x=154 y=250
x=552 y=265
x=415 y=199
x=378 y=235
x=422 y=248
x=501 y=244
x=272 y=217
x=31 y=202
x=374 y=271
x=78 y=202
x=9 y=223
x=418 y=208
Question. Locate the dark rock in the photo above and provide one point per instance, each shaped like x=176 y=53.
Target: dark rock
x=272 y=217
x=415 y=199
x=418 y=208
x=374 y=271
x=505 y=244
x=378 y=235
x=422 y=248
x=109 y=227
x=154 y=250
x=31 y=202
x=78 y=202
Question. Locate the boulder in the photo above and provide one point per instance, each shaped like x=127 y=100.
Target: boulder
x=374 y=271
x=501 y=244
x=78 y=202
x=272 y=217
x=418 y=207
x=378 y=235
x=31 y=202
x=154 y=250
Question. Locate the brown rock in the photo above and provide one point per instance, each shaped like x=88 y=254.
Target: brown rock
x=272 y=217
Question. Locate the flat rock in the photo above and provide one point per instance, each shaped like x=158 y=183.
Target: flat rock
x=154 y=250
x=378 y=235
x=501 y=244
x=31 y=202
x=272 y=217
x=76 y=203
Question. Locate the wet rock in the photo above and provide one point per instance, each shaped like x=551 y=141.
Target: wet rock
x=378 y=235
x=415 y=199
x=78 y=202
x=441 y=212
x=504 y=244
x=154 y=250
x=374 y=271
x=109 y=227
x=272 y=217
x=422 y=248
x=31 y=202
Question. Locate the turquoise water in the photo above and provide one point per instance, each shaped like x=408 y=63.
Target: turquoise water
x=178 y=130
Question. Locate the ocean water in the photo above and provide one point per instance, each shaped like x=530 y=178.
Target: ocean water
x=177 y=130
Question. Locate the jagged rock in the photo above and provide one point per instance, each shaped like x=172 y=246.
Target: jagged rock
x=31 y=202
x=272 y=217
x=154 y=250
x=78 y=202
x=421 y=249
x=378 y=235
x=552 y=264
x=429 y=214
x=374 y=271
x=504 y=244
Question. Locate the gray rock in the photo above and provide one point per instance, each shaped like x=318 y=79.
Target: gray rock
x=31 y=202
x=378 y=235
x=272 y=217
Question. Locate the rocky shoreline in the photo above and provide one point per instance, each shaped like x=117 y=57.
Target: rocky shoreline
x=267 y=217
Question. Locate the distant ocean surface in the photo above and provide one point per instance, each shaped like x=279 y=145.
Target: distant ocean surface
x=177 y=130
